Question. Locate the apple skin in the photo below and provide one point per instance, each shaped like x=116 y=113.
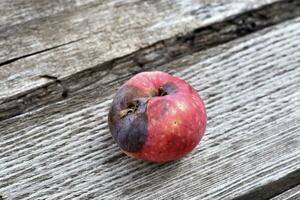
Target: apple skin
x=157 y=117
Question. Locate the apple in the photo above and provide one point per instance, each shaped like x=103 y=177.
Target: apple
x=157 y=117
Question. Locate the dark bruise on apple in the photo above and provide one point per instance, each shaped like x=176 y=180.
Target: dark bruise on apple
x=157 y=117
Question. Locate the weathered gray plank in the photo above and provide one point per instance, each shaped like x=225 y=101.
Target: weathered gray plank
x=273 y=188
x=22 y=11
x=292 y=194
x=81 y=63
x=111 y=22
x=252 y=91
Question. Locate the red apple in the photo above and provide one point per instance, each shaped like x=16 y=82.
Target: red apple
x=157 y=117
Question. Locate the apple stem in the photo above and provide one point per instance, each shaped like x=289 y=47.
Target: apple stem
x=162 y=92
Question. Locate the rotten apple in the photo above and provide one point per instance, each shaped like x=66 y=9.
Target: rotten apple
x=157 y=117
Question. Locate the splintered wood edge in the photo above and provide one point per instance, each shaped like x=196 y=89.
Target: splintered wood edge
x=251 y=90
x=28 y=90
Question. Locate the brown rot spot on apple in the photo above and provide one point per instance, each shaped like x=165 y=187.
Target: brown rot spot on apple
x=128 y=118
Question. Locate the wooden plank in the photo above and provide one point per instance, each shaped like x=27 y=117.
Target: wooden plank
x=251 y=89
x=81 y=63
x=22 y=11
x=274 y=188
x=111 y=21
x=292 y=194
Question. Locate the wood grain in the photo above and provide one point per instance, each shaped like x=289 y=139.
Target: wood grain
x=22 y=11
x=251 y=88
x=81 y=63
x=292 y=194
x=274 y=188
x=111 y=21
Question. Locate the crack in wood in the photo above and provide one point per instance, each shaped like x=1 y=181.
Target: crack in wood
x=38 y=52
x=65 y=90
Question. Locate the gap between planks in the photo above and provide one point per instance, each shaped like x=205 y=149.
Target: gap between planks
x=291 y=194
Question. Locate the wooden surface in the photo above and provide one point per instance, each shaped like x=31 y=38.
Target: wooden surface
x=139 y=22
x=60 y=148
x=106 y=53
x=292 y=194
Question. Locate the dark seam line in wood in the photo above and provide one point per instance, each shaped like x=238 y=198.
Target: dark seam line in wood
x=65 y=90
x=37 y=52
x=274 y=188
x=168 y=50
